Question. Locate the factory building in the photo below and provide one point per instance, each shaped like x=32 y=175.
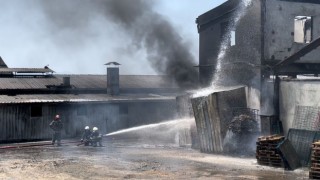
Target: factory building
x=272 y=47
x=31 y=97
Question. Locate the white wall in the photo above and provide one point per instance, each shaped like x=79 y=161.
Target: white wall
x=297 y=93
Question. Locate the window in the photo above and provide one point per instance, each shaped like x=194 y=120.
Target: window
x=36 y=111
x=82 y=111
x=303 y=29
x=233 y=38
x=228 y=34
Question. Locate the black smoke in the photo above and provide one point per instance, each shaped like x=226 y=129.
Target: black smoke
x=165 y=49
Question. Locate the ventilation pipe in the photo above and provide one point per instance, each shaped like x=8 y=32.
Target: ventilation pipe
x=66 y=81
x=113 y=78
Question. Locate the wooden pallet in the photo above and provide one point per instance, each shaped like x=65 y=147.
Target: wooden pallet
x=267 y=153
x=314 y=172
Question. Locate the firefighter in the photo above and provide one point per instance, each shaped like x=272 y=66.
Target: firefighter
x=96 y=137
x=85 y=139
x=56 y=125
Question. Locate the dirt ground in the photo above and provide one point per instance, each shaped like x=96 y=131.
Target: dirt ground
x=120 y=159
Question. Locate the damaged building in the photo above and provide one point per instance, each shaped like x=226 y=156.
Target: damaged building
x=30 y=98
x=271 y=47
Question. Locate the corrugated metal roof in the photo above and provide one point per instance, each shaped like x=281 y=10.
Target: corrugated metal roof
x=26 y=70
x=88 y=82
x=71 y=98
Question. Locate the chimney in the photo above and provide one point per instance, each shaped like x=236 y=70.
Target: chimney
x=66 y=81
x=112 y=78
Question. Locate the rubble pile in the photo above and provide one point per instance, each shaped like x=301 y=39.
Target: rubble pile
x=314 y=172
x=243 y=124
x=267 y=153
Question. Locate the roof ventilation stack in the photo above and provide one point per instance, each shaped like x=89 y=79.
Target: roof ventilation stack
x=113 y=78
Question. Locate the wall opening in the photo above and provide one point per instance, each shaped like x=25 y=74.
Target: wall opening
x=303 y=29
x=36 y=111
x=228 y=34
x=233 y=38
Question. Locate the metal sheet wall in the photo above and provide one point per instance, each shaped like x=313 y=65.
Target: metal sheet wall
x=213 y=113
x=16 y=124
x=208 y=123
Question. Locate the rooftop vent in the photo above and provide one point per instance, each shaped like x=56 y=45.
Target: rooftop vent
x=113 y=78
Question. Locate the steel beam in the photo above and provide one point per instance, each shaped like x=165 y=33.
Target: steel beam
x=296 y=56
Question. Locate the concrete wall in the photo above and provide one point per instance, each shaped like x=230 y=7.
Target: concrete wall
x=279 y=29
x=297 y=93
x=240 y=63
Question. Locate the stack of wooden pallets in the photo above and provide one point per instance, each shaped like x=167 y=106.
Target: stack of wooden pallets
x=314 y=172
x=267 y=153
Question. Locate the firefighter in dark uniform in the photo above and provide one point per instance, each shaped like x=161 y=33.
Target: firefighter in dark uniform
x=85 y=139
x=56 y=125
x=96 y=137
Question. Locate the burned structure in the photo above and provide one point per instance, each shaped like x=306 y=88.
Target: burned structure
x=271 y=47
x=267 y=45
x=30 y=98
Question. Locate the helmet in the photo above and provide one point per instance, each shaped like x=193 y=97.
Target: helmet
x=87 y=128
x=95 y=129
x=57 y=116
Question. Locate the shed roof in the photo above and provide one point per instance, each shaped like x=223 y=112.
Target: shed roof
x=85 y=98
x=25 y=70
x=88 y=82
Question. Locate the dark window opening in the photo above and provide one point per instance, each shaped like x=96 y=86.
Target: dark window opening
x=82 y=111
x=303 y=29
x=36 y=111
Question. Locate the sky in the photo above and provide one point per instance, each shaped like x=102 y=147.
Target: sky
x=78 y=44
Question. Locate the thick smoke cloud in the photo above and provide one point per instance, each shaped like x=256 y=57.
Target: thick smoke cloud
x=146 y=31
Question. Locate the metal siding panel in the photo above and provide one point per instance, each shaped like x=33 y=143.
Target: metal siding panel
x=197 y=108
x=208 y=126
x=2 y=126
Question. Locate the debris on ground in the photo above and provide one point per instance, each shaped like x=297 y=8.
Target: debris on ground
x=241 y=135
x=243 y=124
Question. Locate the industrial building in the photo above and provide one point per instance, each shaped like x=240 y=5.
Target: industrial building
x=266 y=45
x=272 y=48
x=30 y=98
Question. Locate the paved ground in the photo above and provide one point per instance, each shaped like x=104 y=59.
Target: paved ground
x=120 y=159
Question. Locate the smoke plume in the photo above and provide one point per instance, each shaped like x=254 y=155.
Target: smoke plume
x=147 y=30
